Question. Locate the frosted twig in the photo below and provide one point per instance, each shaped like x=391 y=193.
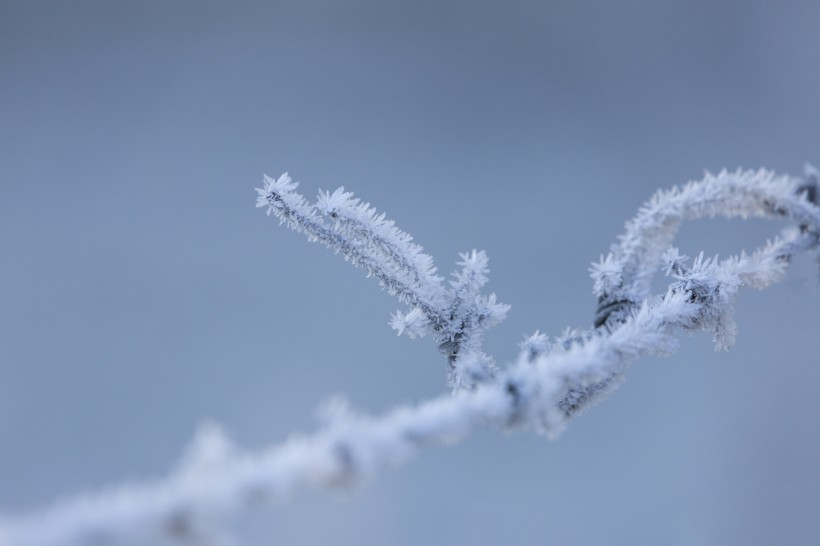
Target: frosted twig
x=622 y=279
x=281 y=199
x=457 y=317
x=539 y=391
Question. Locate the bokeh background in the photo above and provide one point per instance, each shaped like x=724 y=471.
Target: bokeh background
x=141 y=292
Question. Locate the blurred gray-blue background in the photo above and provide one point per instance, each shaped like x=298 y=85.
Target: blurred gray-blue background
x=141 y=293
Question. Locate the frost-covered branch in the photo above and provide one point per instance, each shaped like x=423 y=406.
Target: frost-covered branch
x=546 y=386
x=457 y=316
x=623 y=277
x=281 y=199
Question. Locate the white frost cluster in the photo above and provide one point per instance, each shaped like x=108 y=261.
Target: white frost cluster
x=549 y=383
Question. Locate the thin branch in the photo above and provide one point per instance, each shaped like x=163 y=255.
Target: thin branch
x=216 y=480
x=281 y=199
x=458 y=317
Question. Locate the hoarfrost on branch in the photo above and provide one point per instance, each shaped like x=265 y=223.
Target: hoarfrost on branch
x=551 y=381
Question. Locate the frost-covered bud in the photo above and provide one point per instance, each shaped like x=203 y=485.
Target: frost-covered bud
x=474 y=272
x=329 y=203
x=275 y=191
x=414 y=323
x=673 y=262
x=606 y=274
x=534 y=346
x=490 y=312
x=470 y=369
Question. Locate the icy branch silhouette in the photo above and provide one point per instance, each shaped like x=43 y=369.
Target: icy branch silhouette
x=551 y=381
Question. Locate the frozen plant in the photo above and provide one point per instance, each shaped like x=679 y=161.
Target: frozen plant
x=549 y=383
